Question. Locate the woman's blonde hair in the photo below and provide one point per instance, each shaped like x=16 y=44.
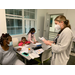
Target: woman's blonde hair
x=63 y=18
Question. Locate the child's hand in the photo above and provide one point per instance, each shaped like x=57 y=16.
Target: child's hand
x=23 y=44
x=19 y=49
x=34 y=42
x=27 y=44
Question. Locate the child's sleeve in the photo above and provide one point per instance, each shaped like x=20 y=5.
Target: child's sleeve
x=28 y=42
x=29 y=38
x=34 y=39
x=20 y=44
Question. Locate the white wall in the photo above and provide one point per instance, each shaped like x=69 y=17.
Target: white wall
x=40 y=21
x=57 y=11
x=71 y=16
x=2 y=21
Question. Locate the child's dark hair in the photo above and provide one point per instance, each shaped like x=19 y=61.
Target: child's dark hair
x=23 y=38
x=3 y=37
x=31 y=30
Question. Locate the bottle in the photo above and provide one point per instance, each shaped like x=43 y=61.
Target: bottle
x=29 y=50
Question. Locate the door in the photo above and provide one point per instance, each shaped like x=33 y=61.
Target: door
x=49 y=32
x=52 y=23
x=46 y=26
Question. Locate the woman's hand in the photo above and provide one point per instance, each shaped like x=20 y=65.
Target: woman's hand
x=47 y=42
x=51 y=41
x=19 y=49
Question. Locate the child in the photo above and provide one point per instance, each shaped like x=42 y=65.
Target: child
x=23 y=42
x=31 y=36
x=8 y=55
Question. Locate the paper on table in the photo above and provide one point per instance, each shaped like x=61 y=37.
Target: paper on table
x=26 y=46
x=37 y=44
x=34 y=55
x=39 y=51
x=31 y=56
x=18 y=47
x=24 y=49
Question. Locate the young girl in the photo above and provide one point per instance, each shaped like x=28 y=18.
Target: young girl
x=8 y=55
x=23 y=42
x=31 y=36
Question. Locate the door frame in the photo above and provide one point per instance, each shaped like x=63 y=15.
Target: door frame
x=54 y=14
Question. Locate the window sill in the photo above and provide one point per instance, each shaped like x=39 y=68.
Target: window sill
x=18 y=35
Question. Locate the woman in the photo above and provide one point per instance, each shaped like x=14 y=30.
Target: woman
x=62 y=49
x=31 y=36
x=8 y=55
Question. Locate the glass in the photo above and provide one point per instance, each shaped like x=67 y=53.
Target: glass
x=18 y=22
x=13 y=22
x=29 y=25
x=19 y=30
x=32 y=15
x=29 y=13
x=11 y=31
x=51 y=21
x=33 y=24
x=25 y=25
x=14 y=11
x=14 y=26
x=10 y=22
x=32 y=10
x=26 y=9
x=26 y=14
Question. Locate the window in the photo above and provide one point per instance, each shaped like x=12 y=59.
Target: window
x=20 y=21
x=51 y=21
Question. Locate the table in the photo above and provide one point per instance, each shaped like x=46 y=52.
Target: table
x=44 y=47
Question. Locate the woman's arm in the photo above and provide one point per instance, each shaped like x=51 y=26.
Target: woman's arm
x=48 y=42
x=51 y=41
x=66 y=39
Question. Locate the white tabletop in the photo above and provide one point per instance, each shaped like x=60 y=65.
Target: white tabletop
x=44 y=46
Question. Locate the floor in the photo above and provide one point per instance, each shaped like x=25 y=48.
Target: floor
x=70 y=62
x=34 y=62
